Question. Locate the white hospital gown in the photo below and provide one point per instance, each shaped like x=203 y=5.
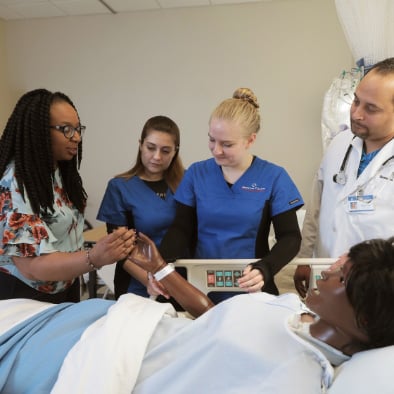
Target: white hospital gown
x=243 y=345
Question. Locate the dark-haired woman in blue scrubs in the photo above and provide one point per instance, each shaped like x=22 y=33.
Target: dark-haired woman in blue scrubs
x=143 y=197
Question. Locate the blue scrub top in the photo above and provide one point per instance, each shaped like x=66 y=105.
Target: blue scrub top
x=229 y=218
x=152 y=215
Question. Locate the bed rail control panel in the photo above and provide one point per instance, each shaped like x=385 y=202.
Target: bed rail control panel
x=214 y=275
x=222 y=278
x=222 y=275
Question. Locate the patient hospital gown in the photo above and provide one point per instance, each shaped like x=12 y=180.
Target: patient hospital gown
x=243 y=345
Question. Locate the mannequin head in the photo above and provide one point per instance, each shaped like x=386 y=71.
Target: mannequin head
x=354 y=304
x=370 y=289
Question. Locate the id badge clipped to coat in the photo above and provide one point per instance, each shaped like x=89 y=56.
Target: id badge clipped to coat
x=360 y=203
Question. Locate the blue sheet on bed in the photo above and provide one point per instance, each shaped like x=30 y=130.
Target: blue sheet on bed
x=57 y=329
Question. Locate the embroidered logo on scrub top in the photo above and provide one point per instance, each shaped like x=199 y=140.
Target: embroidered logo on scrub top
x=253 y=188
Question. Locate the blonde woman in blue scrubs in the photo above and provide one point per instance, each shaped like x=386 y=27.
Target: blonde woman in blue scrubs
x=228 y=202
x=143 y=197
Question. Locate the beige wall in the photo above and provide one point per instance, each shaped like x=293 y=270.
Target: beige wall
x=5 y=100
x=121 y=69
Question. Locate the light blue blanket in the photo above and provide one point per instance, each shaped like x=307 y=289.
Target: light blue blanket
x=26 y=369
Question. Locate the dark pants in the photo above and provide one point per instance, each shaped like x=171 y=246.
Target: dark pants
x=11 y=287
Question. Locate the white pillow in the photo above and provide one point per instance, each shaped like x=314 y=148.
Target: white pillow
x=368 y=372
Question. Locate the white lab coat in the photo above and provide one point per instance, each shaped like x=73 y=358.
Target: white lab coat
x=329 y=228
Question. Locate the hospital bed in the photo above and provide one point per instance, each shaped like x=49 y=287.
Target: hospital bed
x=101 y=363
x=366 y=372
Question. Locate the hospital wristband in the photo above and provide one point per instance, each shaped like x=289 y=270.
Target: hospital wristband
x=89 y=261
x=159 y=275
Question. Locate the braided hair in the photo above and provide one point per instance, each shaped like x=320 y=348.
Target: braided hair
x=27 y=140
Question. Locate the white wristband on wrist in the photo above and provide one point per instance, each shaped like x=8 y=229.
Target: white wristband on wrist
x=159 y=275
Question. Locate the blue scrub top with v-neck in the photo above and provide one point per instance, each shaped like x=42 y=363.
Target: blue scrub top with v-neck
x=229 y=217
x=152 y=215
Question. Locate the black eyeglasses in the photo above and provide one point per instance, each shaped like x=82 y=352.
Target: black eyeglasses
x=69 y=131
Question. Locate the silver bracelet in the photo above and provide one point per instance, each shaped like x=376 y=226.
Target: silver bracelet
x=89 y=261
x=166 y=270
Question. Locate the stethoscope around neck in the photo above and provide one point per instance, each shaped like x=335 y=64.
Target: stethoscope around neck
x=340 y=177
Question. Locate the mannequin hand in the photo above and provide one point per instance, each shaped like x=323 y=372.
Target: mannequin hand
x=155 y=288
x=252 y=280
x=301 y=279
x=113 y=247
x=146 y=255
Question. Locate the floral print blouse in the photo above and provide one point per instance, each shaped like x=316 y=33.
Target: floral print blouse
x=23 y=233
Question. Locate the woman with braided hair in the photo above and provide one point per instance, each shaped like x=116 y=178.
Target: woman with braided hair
x=42 y=202
x=228 y=202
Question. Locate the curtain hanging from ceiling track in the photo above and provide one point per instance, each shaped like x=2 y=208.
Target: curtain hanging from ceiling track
x=369 y=29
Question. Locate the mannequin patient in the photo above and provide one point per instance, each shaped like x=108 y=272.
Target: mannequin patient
x=255 y=343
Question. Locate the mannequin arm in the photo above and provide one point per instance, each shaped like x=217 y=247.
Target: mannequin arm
x=146 y=256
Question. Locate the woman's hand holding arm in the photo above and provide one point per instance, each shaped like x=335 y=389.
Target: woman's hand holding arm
x=67 y=266
x=113 y=247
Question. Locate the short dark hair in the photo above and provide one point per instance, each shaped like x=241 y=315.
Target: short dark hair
x=370 y=289
x=384 y=67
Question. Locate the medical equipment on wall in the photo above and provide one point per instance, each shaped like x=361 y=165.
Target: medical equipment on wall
x=336 y=105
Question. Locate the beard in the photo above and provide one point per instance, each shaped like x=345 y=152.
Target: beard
x=359 y=130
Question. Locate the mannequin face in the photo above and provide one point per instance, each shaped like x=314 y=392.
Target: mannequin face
x=331 y=303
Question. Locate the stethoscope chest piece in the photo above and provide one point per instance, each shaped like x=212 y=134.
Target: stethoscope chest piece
x=340 y=178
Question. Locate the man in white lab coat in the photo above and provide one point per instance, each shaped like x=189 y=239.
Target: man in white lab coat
x=353 y=191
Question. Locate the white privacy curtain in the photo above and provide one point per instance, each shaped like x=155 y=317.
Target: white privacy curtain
x=369 y=28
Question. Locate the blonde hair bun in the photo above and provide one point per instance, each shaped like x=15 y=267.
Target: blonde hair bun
x=247 y=95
